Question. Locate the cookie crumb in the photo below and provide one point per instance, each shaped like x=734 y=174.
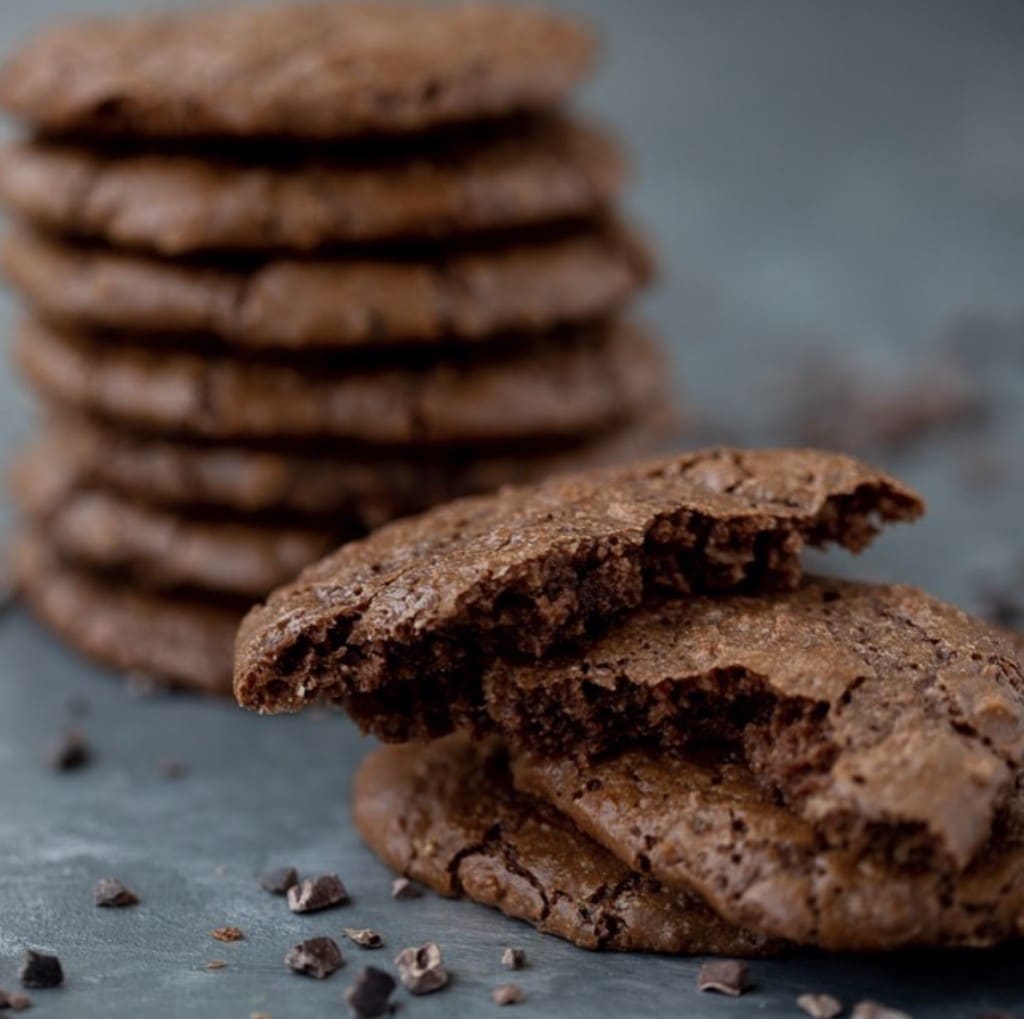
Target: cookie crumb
x=513 y=958
x=724 y=976
x=279 y=880
x=402 y=889
x=421 y=969
x=370 y=993
x=216 y=964
x=507 y=994
x=316 y=893
x=873 y=1010
x=315 y=957
x=820 y=1006
x=227 y=934
x=16 y=1002
x=71 y=753
x=40 y=970
x=110 y=893
x=364 y=937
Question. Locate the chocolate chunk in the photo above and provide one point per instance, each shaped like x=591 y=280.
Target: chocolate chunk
x=820 y=1006
x=513 y=958
x=726 y=976
x=364 y=937
x=402 y=888
x=421 y=969
x=216 y=964
x=315 y=957
x=873 y=1010
x=110 y=892
x=71 y=752
x=227 y=934
x=40 y=969
x=16 y=1002
x=279 y=880
x=370 y=993
x=317 y=893
x=507 y=994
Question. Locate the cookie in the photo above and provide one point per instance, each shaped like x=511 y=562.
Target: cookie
x=179 y=642
x=889 y=720
x=158 y=549
x=326 y=70
x=398 y=627
x=530 y=172
x=356 y=493
x=446 y=814
x=712 y=827
x=530 y=286
x=579 y=383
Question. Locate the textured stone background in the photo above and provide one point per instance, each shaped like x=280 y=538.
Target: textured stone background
x=838 y=191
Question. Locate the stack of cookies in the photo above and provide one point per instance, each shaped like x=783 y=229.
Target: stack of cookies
x=625 y=715
x=293 y=272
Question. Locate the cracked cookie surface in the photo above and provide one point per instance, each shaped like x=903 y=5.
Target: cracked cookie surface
x=445 y=814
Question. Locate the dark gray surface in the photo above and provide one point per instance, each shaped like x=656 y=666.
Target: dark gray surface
x=848 y=177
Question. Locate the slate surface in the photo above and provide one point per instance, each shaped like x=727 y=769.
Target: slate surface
x=841 y=179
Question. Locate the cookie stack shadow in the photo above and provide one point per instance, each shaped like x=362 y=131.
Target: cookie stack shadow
x=623 y=713
x=291 y=273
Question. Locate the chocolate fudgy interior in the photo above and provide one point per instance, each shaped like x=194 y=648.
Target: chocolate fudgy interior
x=399 y=628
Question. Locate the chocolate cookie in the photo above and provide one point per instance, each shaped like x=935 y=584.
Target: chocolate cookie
x=158 y=549
x=445 y=814
x=535 y=171
x=356 y=494
x=711 y=827
x=325 y=70
x=335 y=303
x=399 y=627
x=573 y=385
x=184 y=643
x=892 y=722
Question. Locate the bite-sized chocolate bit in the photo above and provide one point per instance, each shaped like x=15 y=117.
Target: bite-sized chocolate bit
x=227 y=934
x=40 y=970
x=513 y=958
x=173 y=769
x=421 y=969
x=364 y=937
x=216 y=964
x=315 y=957
x=15 y=1002
x=726 y=976
x=317 y=893
x=110 y=892
x=507 y=994
x=402 y=888
x=370 y=993
x=71 y=752
x=279 y=880
x=873 y=1010
x=820 y=1006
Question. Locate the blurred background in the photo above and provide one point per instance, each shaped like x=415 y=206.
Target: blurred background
x=837 y=191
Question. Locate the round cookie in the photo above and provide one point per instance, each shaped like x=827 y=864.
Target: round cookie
x=445 y=814
x=426 y=603
x=530 y=172
x=182 y=643
x=712 y=828
x=357 y=494
x=288 y=303
x=569 y=386
x=321 y=70
x=158 y=549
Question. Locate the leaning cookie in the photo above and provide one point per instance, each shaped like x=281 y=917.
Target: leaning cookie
x=356 y=490
x=712 y=827
x=426 y=604
x=322 y=70
x=535 y=171
x=182 y=643
x=527 y=286
x=446 y=815
x=581 y=382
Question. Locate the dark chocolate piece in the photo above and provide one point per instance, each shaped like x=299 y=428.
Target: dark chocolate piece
x=725 y=976
x=315 y=957
x=316 y=893
x=112 y=893
x=40 y=970
x=421 y=969
x=370 y=993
